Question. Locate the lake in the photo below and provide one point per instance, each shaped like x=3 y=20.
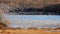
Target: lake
x=36 y=21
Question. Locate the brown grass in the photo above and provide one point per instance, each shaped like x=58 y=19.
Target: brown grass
x=26 y=31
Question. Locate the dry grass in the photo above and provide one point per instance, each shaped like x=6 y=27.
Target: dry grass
x=28 y=31
x=29 y=3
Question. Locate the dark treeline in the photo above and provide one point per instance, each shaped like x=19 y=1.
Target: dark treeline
x=48 y=10
x=27 y=10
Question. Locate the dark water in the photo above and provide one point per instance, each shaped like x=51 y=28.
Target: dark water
x=47 y=10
